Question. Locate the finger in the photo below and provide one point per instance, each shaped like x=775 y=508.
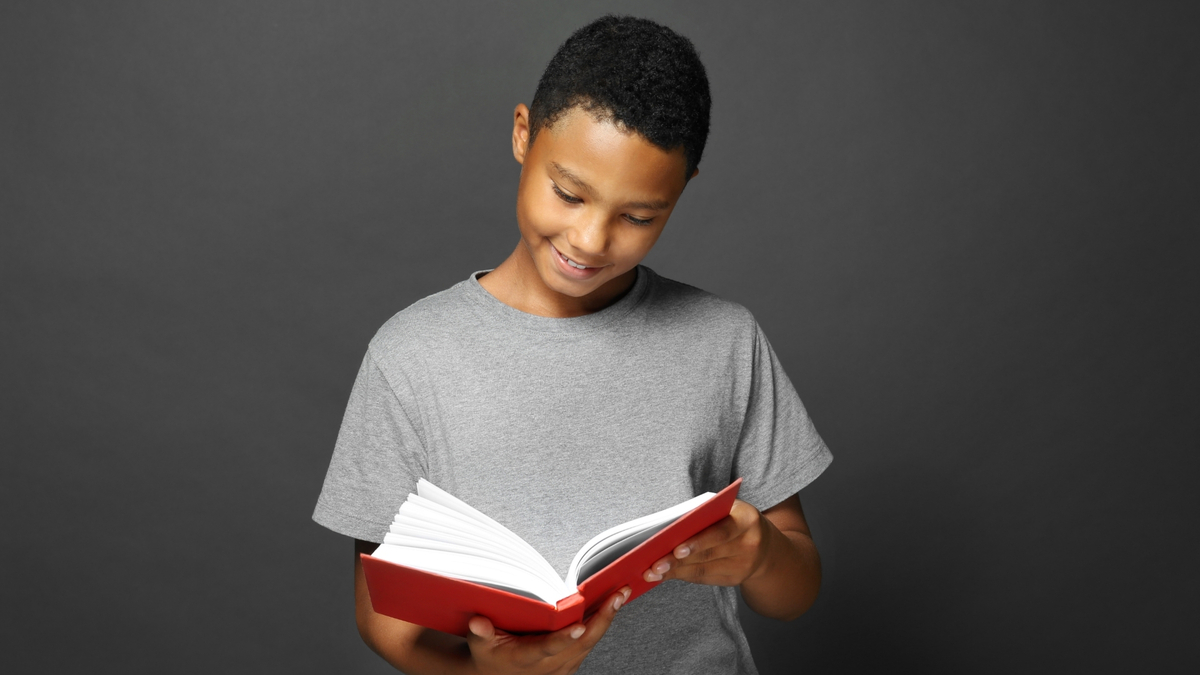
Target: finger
x=702 y=547
x=714 y=535
x=481 y=635
x=698 y=548
x=662 y=568
x=554 y=643
x=599 y=622
x=720 y=571
x=659 y=569
x=741 y=517
x=481 y=629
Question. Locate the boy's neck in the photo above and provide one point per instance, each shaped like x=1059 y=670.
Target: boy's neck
x=516 y=283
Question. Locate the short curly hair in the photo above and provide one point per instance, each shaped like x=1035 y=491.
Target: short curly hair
x=639 y=74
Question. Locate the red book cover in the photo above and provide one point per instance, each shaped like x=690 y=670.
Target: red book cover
x=446 y=604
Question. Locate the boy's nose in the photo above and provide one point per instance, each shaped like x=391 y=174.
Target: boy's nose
x=590 y=236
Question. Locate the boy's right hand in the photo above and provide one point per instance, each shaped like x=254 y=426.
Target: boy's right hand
x=496 y=652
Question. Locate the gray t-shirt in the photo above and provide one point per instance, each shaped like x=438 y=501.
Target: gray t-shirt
x=561 y=428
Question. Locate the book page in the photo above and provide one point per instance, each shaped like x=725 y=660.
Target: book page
x=436 y=532
x=602 y=556
x=421 y=512
x=620 y=539
x=441 y=534
x=469 y=549
x=437 y=495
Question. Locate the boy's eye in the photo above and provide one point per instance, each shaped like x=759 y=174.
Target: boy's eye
x=570 y=199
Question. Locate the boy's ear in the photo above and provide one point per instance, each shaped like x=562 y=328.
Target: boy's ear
x=520 y=138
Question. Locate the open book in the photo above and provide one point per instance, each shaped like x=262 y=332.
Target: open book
x=443 y=562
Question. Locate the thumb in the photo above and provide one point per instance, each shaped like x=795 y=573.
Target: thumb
x=481 y=629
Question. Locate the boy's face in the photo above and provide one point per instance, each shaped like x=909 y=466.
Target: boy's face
x=592 y=201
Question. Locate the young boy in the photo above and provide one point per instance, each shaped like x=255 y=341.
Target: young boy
x=571 y=389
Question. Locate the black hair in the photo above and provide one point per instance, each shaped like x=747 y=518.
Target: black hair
x=641 y=75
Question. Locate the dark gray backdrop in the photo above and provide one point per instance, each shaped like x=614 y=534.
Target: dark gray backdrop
x=969 y=230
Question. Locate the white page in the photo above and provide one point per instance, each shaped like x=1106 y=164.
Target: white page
x=613 y=535
x=419 y=536
x=422 y=512
x=440 y=534
x=436 y=518
x=619 y=532
x=407 y=541
x=486 y=523
x=435 y=494
x=436 y=532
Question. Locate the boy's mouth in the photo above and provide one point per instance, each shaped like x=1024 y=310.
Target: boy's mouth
x=570 y=262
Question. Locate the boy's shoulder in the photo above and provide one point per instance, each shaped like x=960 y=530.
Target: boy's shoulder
x=432 y=318
x=675 y=300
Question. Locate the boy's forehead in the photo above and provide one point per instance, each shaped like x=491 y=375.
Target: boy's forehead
x=584 y=146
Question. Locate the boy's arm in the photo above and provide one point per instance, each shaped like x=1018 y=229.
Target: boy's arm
x=770 y=555
x=417 y=650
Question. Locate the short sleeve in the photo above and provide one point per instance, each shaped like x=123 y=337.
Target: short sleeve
x=377 y=459
x=779 y=451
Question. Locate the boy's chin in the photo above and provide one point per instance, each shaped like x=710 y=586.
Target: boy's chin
x=572 y=288
x=580 y=289
x=561 y=281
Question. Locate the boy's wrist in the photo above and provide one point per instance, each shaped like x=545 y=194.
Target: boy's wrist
x=768 y=546
x=785 y=584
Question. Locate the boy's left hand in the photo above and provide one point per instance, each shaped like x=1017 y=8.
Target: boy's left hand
x=727 y=553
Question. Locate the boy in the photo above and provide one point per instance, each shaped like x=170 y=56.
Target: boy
x=570 y=388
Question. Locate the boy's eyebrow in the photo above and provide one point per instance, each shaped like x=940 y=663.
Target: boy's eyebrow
x=656 y=205
x=565 y=173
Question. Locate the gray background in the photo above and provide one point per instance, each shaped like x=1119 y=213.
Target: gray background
x=969 y=230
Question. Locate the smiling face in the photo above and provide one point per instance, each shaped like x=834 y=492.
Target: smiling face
x=592 y=201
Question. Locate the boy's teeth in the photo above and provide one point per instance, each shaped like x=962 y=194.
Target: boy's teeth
x=572 y=263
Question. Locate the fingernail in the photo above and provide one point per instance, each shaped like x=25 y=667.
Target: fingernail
x=662 y=567
x=576 y=632
x=682 y=552
x=627 y=591
x=618 y=601
x=651 y=576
